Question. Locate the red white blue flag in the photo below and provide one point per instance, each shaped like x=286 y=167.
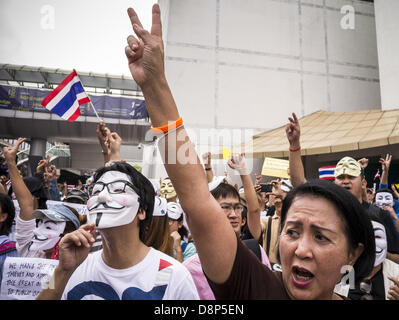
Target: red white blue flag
x=66 y=98
x=327 y=173
x=377 y=175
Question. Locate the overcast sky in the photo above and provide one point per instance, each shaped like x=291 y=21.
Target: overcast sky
x=88 y=35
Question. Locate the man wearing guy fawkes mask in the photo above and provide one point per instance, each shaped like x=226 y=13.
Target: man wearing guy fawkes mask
x=120 y=205
x=384 y=200
x=378 y=286
x=168 y=191
x=384 y=197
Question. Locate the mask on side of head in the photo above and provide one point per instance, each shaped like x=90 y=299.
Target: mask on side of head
x=380 y=243
x=383 y=199
x=115 y=207
x=46 y=234
x=167 y=190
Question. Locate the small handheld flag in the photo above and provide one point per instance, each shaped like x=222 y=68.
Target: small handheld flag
x=377 y=175
x=226 y=153
x=66 y=98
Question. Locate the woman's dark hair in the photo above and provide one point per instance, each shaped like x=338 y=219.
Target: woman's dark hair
x=7 y=206
x=144 y=187
x=358 y=227
x=182 y=230
x=225 y=190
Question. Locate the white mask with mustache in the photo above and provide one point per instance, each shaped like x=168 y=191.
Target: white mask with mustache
x=383 y=199
x=46 y=234
x=380 y=243
x=107 y=210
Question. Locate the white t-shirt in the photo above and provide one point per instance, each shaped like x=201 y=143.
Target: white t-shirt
x=23 y=238
x=157 y=277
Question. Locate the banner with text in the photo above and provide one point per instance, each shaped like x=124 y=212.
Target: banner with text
x=29 y=99
x=24 y=278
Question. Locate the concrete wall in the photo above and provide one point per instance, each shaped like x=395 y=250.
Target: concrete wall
x=249 y=64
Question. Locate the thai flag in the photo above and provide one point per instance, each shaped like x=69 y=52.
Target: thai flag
x=66 y=98
x=70 y=187
x=327 y=173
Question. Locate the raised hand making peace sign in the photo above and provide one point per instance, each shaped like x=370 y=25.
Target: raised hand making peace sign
x=145 y=52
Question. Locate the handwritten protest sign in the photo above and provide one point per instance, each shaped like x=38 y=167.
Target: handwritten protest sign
x=24 y=278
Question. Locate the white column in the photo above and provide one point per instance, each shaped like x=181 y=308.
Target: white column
x=387 y=26
x=37 y=152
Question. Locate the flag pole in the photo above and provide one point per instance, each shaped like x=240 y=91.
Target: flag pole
x=91 y=103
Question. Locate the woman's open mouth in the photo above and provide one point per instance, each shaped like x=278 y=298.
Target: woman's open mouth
x=301 y=277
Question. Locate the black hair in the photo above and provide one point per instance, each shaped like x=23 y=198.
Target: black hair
x=145 y=190
x=384 y=190
x=225 y=190
x=182 y=230
x=7 y=206
x=37 y=188
x=358 y=227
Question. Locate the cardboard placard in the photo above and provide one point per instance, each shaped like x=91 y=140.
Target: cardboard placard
x=275 y=168
x=24 y=278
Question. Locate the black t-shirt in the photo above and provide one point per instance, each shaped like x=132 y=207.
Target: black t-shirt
x=385 y=218
x=250 y=280
x=377 y=288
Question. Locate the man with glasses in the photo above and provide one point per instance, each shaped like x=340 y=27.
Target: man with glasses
x=229 y=200
x=120 y=206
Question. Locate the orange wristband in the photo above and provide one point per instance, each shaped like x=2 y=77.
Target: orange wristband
x=167 y=127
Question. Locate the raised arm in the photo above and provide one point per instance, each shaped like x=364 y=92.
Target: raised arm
x=237 y=162
x=22 y=193
x=215 y=240
x=208 y=166
x=293 y=132
x=102 y=135
x=385 y=164
x=115 y=142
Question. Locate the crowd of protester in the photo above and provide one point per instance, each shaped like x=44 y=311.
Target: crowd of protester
x=194 y=235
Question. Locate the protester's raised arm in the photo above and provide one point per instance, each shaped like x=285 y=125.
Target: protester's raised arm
x=215 y=240
x=22 y=193
x=208 y=166
x=293 y=132
x=253 y=210
x=102 y=135
x=385 y=164
x=115 y=142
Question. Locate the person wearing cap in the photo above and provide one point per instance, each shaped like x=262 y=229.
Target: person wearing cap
x=76 y=196
x=183 y=248
x=348 y=174
x=38 y=230
x=120 y=206
x=80 y=197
